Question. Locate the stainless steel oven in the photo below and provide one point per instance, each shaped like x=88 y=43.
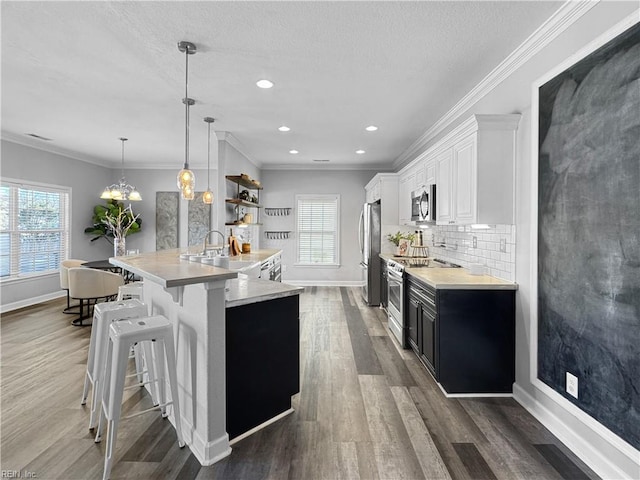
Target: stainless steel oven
x=395 y=300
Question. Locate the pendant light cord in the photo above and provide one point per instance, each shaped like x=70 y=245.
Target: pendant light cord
x=122 y=168
x=186 y=103
x=208 y=155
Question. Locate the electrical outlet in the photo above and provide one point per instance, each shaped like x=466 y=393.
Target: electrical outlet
x=572 y=385
x=475 y=242
x=503 y=245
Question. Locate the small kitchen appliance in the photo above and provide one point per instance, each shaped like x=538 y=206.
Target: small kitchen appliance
x=423 y=205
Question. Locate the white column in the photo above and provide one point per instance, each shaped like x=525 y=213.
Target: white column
x=198 y=316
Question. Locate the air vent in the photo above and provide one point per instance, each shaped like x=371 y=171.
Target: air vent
x=320 y=159
x=39 y=137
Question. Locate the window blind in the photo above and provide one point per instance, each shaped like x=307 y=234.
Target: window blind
x=317 y=229
x=34 y=229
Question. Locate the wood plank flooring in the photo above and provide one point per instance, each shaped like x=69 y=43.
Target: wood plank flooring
x=367 y=409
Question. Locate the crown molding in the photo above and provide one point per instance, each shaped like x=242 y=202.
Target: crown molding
x=562 y=19
x=49 y=148
x=318 y=168
x=235 y=143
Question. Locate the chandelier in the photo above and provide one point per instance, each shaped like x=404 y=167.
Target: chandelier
x=121 y=191
x=186 y=179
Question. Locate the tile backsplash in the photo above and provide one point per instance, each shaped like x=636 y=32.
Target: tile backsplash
x=455 y=243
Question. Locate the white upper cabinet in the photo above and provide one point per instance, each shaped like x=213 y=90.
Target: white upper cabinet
x=384 y=187
x=464 y=184
x=430 y=171
x=406 y=184
x=475 y=167
x=444 y=180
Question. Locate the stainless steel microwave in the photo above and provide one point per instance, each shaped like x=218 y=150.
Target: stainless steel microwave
x=423 y=204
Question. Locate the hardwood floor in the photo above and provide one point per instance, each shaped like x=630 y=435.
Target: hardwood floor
x=367 y=409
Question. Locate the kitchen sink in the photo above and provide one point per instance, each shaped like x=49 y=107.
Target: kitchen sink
x=245 y=267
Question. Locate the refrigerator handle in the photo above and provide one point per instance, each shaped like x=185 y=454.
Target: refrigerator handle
x=361 y=231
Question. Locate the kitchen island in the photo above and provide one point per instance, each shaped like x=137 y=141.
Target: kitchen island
x=192 y=296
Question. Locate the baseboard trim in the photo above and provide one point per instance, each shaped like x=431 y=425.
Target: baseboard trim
x=27 y=302
x=261 y=426
x=589 y=453
x=207 y=453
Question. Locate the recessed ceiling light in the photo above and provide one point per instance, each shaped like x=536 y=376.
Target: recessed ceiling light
x=293 y=152
x=284 y=128
x=360 y=152
x=264 y=84
x=371 y=128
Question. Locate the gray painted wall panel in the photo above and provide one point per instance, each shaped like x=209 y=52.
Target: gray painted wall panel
x=589 y=234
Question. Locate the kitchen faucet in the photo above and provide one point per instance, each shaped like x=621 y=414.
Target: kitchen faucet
x=206 y=236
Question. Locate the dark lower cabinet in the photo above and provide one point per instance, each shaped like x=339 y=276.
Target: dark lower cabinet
x=466 y=338
x=421 y=316
x=263 y=361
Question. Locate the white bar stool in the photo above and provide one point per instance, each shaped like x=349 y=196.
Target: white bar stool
x=122 y=334
x=103 y=315
x=130 y=290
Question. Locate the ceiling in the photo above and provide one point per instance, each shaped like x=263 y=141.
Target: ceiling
x=84 y=74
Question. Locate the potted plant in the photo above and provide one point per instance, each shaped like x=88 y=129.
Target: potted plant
x=402 y=241
x=114 y=221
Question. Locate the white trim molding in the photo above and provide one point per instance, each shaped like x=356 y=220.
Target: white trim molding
x=27 y=302
x=605 y=456
x=235 y=143
x=563 y=18
x=606 y=453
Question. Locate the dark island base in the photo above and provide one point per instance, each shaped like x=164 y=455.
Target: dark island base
x=263 y=361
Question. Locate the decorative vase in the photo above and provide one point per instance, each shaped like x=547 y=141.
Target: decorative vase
x=119 y=247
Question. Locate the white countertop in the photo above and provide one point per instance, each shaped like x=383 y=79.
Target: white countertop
x=454 y=278
x=167 y=269
x=459 y=279
x=243 y=291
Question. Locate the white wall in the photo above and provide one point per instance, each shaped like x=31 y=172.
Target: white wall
x=233 y=162
x=280 y=188
x=86 y=181
x=605 y=452
x=148 y=183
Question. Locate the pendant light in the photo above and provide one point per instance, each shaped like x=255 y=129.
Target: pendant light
x=121 y=191
x=186 y=179
x=207 y=196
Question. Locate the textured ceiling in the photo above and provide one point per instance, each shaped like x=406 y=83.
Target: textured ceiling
x=85 y=73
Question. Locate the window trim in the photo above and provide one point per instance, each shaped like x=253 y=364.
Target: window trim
x=28 y=184
x=318 y=196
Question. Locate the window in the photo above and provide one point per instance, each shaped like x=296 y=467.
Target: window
x=317 y=227
x=34 y=229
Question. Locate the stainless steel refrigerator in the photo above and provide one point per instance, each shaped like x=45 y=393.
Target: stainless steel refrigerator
x=369 y=239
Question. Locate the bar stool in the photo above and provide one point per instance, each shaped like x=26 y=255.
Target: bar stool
x=122 y=334
x=130 y=290
x=103 y=315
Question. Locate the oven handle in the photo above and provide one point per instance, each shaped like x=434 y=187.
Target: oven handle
x=361 y=232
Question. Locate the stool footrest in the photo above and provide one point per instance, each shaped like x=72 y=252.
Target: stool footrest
x=142 y=384
x=156 y=407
